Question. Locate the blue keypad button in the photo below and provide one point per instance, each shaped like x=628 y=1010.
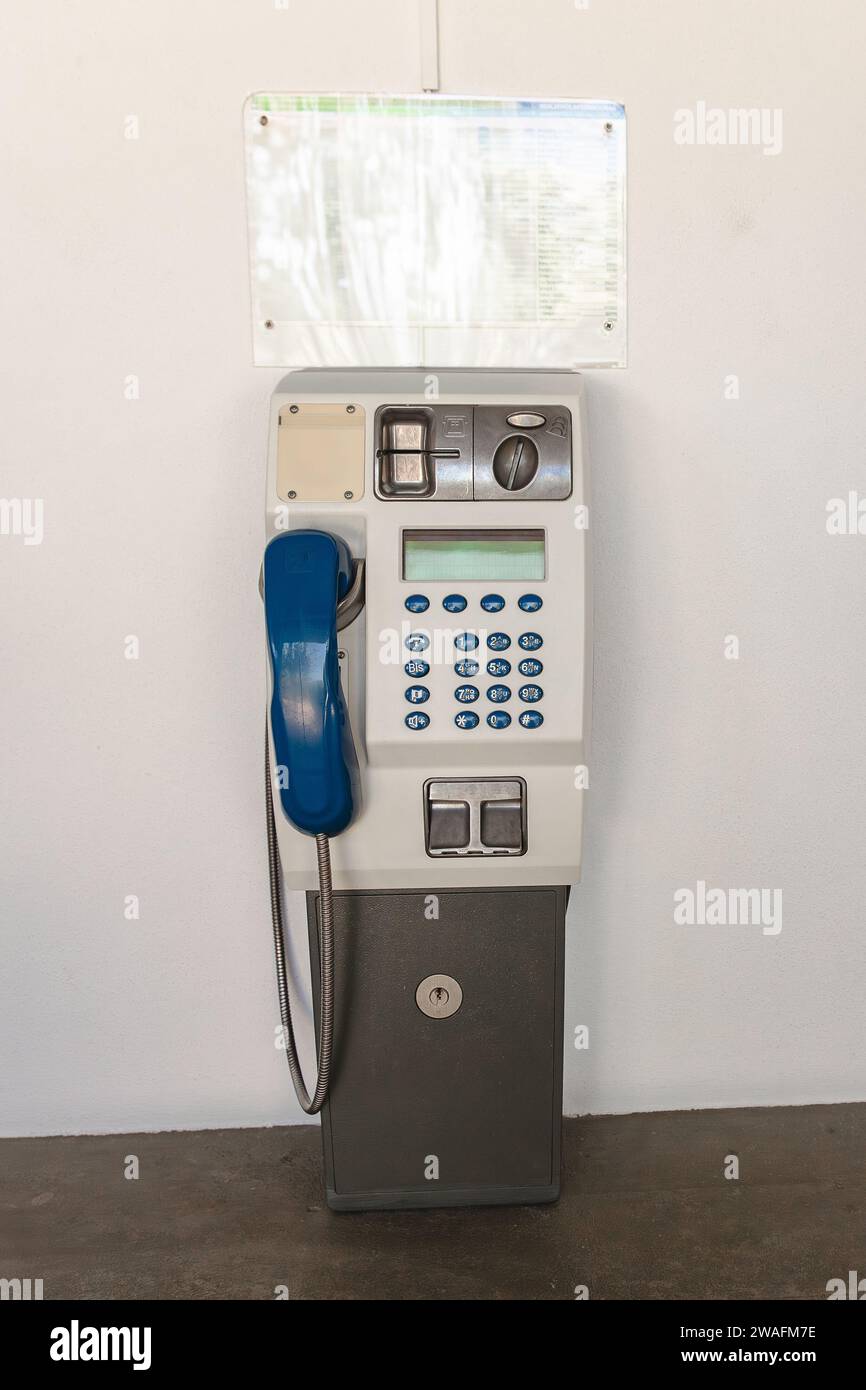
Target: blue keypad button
x=531 y=718
x=417 y=603
x=454 y=603
x=498 y=694
x=417 y=694
x=466 y=694
x=498 y=666
x=499 y=719
x=417 y=668
x=466 y=641
x=493 y=603
x=417 y=719
x=467 y=667
x=530 y=694
x=466 y=719
x=417 y=641
x=530 y=641
x=498 y=641
x=531 y=667
x=530 y=603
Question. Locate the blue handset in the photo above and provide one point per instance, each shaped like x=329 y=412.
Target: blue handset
x=306 y=574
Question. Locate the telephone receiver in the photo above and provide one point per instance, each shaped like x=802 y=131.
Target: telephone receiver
x=311 y=589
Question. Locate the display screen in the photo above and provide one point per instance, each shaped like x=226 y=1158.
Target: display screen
x=485 y=555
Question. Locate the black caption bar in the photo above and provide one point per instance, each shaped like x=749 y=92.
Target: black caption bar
x=154 y=1339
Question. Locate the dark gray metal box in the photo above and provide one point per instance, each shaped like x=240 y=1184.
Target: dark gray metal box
x=454 y=1111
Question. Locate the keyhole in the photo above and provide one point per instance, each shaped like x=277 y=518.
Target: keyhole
x=439 y=996
x=515 y=463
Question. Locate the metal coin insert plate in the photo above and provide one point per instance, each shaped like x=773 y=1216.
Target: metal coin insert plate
x=483 y=817
x=461 y=453
x=439 y=996
x=510 y=466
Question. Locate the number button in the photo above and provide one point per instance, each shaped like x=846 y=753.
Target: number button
x=466 y=641
x=454 y=603
x=493 y=603
x=498 y=694
x=417 y=603
x=417 y=642
x=417 y=720
x=499 y=641
x=417 y=668
x=466 y=694
x=466 y=667
x=466 y=719
x=530 y=694
x=417 y=694
x=498 y=666
x=499 y=719
x=530 y=641
x=530 y=603
x=531 y=718
x=530 y=667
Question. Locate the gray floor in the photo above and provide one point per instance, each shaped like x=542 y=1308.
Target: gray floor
x=646 y=1213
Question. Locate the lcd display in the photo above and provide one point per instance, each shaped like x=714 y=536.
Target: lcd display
x=483 y=555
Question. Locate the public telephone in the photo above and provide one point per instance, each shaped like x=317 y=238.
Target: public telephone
x=426 y=588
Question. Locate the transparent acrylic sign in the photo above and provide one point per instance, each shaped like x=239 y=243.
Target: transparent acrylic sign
x=436 y=230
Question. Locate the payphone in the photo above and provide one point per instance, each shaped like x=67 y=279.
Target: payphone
x=426 y=588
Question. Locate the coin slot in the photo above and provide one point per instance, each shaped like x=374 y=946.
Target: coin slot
x=515 y=463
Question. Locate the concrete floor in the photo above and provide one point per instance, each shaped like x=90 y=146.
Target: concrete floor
x=645 y=1213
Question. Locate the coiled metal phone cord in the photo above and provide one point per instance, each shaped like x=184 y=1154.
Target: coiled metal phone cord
x=326 y=960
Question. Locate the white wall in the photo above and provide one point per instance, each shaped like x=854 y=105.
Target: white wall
x=120 y=777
